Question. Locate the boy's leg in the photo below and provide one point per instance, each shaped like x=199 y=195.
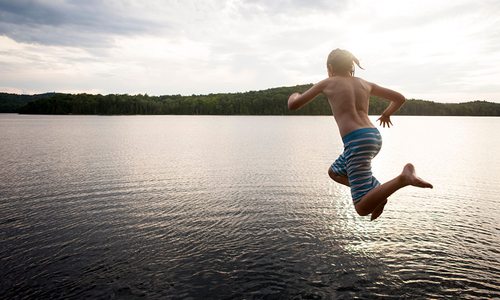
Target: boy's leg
x=378 y=210
x=378 y=195
x=345 y=181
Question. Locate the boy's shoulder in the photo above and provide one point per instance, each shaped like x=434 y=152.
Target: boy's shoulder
x=334 y=80
x=333 y=85
x=362 y=80
x=365 y=82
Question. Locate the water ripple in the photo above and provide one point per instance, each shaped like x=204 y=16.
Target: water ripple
x=155 y=209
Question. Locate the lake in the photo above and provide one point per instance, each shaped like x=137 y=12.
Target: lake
x=241 y=207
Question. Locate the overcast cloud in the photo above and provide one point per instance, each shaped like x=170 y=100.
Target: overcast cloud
x=445 y=51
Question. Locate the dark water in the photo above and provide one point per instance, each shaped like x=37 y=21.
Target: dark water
x=174 y=207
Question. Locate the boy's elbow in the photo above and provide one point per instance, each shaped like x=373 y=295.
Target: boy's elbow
x=400 y=99
x=294 y=101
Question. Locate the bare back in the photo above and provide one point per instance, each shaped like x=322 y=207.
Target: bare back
x=349 y=99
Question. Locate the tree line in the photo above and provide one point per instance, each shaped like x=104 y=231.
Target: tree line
x=265 y=102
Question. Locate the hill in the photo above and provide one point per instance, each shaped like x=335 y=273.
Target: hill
x=264 y=102
x=10 y=103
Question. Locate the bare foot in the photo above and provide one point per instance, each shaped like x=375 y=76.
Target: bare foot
x=411 y=178
x=378 y=211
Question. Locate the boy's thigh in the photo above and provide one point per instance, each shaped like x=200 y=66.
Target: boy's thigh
x=360 y=176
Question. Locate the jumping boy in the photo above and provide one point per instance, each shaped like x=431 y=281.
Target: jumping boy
x=349 y=97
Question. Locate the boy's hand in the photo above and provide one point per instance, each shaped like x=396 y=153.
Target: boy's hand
x=293 y=96
x=292 y=100
x=385 y=120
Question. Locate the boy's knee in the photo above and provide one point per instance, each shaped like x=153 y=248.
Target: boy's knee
x=361 y=211
x=338 y=178
x=331 y=173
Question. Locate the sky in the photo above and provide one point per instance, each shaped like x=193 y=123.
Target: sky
x=438 y=50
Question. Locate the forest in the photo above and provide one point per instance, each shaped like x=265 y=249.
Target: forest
x=264 y=102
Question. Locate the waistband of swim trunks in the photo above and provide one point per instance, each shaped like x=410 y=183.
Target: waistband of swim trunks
x=358 y=132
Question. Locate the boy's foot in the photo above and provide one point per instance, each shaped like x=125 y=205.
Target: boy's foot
x=378 y=211
x=411 y=178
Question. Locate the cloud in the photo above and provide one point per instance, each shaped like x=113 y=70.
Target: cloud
x=89 y=23
x=428 y=49
x=290 y=8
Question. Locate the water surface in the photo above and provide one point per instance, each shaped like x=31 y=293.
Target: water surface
x=242 y=207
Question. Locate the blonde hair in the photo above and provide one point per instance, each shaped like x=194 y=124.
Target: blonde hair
x=342 y=61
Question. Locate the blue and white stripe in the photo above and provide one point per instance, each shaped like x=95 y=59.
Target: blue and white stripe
x=360 y=147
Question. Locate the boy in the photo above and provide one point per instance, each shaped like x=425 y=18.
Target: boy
x=349 y=97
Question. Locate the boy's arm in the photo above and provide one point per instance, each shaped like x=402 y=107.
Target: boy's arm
x=396 y=99
x=297 y=100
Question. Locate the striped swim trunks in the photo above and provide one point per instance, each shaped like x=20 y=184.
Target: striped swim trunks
x=360 y=147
